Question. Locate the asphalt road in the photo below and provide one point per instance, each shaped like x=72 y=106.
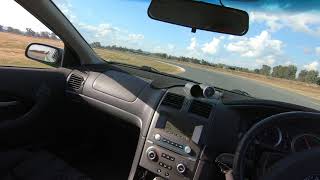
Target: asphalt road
x=254 y=88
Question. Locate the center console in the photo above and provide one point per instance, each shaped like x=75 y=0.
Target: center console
x=171 y=149
x=174 y=142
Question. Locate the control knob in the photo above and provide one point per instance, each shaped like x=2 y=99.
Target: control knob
x=181 y=168
x=187 y=149
x=157 y=137
x=152 y=155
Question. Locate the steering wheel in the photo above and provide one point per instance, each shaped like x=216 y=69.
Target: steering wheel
x=296 y=166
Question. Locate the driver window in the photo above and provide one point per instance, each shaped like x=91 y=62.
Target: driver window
x=19 y=28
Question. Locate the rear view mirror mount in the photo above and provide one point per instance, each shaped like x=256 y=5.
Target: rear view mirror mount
x=200 y=15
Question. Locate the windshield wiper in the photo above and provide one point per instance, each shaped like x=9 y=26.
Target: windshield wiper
x=145 y=68
x=241 y=92
x=148 y=68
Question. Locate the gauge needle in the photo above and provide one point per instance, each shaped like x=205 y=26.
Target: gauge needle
x=305 y=140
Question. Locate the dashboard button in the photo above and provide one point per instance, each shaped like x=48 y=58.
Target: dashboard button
x=172 y=158
x=166 y=174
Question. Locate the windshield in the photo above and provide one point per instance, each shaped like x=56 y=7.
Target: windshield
x=278 y=59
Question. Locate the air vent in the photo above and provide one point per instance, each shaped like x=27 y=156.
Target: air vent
x=200 y=108
x=173 y=100
x=75 y=82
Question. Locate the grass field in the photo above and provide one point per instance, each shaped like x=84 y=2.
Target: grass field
x=138 y=60
x=12 y=48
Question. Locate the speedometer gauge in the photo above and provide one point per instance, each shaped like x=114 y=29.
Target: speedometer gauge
x=304 y=142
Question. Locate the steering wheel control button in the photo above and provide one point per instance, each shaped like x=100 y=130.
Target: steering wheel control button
x=187 y=149
x=157 y=137
x=181 y=168
x=152 y=155
x=159 y=170
x=166 y=174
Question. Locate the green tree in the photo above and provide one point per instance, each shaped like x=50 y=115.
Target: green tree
x=292 y=71
x=312 y=76
x=265 y=70
x=96 y=45
x=302 y=75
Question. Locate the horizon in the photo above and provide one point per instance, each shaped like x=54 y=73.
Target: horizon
x=273 y=39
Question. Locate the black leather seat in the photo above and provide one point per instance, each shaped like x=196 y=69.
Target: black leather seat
x=26 y=164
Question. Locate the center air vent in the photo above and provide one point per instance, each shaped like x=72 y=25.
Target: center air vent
x=75 y=82
x=173 y=100
x=200 y=108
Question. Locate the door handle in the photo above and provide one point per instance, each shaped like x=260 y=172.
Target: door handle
x=8 y=103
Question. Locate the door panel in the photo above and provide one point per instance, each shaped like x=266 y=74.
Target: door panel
x=29 y=99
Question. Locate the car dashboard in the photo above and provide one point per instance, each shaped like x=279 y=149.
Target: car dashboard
x=182 y=131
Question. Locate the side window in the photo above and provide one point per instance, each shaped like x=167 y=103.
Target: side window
x=19 y=28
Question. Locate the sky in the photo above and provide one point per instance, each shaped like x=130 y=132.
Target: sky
x=279 y=33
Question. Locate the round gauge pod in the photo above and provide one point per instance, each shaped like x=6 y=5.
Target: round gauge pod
x=207 y=91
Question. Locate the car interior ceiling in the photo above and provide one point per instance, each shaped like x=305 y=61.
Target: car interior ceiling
x=106 y=126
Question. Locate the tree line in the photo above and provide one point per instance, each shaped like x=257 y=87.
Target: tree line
x=285 y=72
x=29 y=32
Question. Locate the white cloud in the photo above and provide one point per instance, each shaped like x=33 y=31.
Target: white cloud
x=211 y=47
x=193 y=44
x=171 y=47
x=312 y=66
x=267 y=60
x=66 y=7
x=317 y=49
x=258 y=46
x=12 y=14
x=135 y=37
x=272 y=21
x=100 y=31
x=308 y=22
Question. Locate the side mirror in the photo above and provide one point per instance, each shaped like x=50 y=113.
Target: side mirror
x=44 y=53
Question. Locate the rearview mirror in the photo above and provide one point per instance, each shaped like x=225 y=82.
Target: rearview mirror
x=43 y=53
x=200 y=15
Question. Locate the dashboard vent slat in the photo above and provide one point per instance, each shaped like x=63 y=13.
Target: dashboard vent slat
x=75 y=82
x=173 y=100
x=200 y=108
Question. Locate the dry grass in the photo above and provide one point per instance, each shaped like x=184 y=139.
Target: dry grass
x=138 y=60
x=310 y=90
x=12 y=48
